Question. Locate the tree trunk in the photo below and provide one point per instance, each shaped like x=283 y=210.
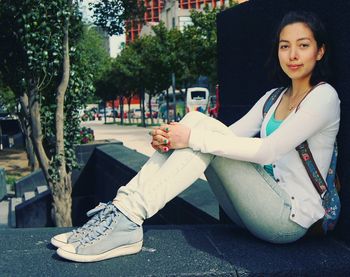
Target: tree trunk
x=142 y=106
x=24 y=118
x=62 y=201
x=150 y=108
x=113 y=110
x=129 y=105
x=167 y=106
x=62 y=188
x=121 y=105
x=36 y=133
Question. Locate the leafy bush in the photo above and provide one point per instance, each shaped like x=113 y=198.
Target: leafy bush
x=86 y=135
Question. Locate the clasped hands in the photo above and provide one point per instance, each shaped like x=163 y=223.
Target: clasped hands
x=170 y=136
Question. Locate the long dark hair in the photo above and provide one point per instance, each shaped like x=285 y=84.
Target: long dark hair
x=321 y=71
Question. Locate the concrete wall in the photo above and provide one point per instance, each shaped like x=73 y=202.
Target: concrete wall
x=245 y=35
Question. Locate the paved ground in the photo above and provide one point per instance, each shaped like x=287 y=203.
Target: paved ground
x=179 y=250
x=132 y=137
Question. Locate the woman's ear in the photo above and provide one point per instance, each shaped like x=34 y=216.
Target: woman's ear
x=321 y=52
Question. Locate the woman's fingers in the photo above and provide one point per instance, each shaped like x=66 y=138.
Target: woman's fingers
x=159 y=147
x=160 y=140
x=165 y=128
x=159 y=132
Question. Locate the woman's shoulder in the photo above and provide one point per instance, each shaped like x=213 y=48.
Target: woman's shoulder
x=325 y=91
x=323 y=98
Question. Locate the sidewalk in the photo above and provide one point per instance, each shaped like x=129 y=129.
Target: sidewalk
x=133 y=137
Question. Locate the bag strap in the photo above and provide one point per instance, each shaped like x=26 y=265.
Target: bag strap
x=271 y=100
x=305 y=152
x=312 y=170
x=311 y=167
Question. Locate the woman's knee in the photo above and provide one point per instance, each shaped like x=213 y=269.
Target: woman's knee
x=192 y=118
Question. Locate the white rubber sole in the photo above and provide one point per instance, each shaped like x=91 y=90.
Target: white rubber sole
x=57 y=243
x=120 y=251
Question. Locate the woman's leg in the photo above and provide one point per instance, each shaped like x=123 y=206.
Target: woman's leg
x=118 y=230
x=162 y=178
x=251 y=198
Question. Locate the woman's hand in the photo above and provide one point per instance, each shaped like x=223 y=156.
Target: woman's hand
x=172 y=136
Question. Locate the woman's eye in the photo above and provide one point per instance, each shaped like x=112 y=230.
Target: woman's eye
x=304 y=45
x=283 y=46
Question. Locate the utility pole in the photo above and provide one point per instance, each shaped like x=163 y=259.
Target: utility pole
x=167 y=106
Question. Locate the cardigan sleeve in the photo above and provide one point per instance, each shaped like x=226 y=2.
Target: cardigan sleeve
x=319 y=110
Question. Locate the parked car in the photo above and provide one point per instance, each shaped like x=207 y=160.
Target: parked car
x=125 y=115
x=154 y=114
x=90 y=114
x=136 y=113
x=108 y=112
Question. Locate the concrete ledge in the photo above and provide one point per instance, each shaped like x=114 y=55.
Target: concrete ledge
x=28 y=195
x=12 y=210
x=41 y=189
x=29 y=183
x=206 y=250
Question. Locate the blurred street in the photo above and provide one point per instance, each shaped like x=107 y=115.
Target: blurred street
x=132 y=137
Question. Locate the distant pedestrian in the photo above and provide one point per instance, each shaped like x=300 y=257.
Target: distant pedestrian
x=261 y=183
x=178 y=117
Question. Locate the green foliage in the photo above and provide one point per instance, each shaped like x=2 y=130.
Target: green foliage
x=93 y=55
x=8 y=99
x=31 y=51
x=111 y=15
x=31 y=41
x=149 y=61
x=201 y=38
x=86 y=135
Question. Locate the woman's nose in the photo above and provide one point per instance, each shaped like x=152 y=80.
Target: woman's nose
x=293 y=54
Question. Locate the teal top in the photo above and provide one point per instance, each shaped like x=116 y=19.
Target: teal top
x=271 y=126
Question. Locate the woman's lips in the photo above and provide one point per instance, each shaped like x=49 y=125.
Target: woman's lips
x=294 y=66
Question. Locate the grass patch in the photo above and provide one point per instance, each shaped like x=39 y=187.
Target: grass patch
x=11 y=180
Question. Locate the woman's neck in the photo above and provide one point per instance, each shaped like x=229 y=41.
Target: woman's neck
x=299 y=88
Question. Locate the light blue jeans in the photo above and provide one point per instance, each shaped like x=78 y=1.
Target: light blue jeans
x=245 y=191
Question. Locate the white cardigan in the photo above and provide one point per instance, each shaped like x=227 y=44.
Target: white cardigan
x=317 y=121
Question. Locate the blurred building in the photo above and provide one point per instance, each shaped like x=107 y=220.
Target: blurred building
x=174 y=13
x=151 y=17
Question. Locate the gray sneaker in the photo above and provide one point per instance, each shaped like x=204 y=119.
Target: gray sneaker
x=114 y=236
x=97 y=215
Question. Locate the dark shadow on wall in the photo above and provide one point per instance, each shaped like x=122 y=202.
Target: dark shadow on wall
x=245 y=35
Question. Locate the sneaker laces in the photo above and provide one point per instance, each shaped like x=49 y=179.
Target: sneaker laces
x=97 y=214
x=110 y=213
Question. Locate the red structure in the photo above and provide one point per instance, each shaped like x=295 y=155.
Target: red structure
x=155 y=7
x=196 y=4
x=153 y=10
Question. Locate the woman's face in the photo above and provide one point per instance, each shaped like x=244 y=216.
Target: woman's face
x=298 y=51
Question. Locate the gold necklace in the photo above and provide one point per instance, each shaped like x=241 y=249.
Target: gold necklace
x=292 y=106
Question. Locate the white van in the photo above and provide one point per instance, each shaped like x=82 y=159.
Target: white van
x=197 y=99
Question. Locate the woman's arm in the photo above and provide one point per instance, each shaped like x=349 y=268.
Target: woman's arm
x=320 y=109
x=249 y=125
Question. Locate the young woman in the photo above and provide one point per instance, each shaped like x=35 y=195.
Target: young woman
x=260 y=183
